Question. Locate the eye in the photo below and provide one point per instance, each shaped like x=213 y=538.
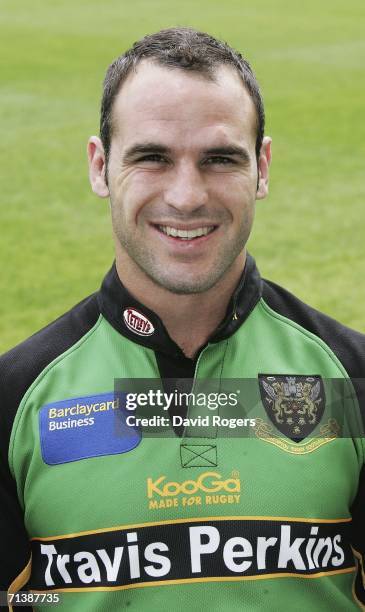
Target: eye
x=151 y=157
x=220 y=160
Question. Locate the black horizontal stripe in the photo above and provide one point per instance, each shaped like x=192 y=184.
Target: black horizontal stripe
x=202 y=550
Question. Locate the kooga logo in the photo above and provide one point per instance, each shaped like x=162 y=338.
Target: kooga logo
x=208 y=482
x=137 y=322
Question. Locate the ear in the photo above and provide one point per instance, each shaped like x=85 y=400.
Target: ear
x=97 y=168
x=263 y=169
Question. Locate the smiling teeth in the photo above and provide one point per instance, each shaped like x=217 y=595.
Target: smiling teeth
x=185 y=234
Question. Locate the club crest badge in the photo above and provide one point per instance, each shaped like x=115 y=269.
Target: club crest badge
x=294 y=404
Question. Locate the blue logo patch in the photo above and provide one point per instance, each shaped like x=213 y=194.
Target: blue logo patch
x=83 y=427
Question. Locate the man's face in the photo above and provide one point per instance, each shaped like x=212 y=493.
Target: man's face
x=182 y=175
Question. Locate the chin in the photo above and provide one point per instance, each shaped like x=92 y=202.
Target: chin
x=186 y=286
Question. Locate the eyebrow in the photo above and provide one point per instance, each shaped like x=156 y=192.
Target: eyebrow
x=153 y=147
x=229 y=150
x=145 y=147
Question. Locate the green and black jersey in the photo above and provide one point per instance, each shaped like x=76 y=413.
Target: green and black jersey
x=112 y=519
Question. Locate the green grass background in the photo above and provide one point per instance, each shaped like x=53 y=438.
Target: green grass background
x=309 y=57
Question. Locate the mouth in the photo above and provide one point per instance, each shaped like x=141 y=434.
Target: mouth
x=186 y=234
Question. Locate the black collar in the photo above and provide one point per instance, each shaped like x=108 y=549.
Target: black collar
x=141 y=325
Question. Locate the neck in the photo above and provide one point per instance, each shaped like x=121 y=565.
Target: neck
x=198 y=313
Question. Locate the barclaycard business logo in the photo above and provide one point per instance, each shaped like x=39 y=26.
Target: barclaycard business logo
x=85 y=427
x=137 y=322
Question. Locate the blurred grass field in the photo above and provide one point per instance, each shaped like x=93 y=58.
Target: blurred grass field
x=55 y=235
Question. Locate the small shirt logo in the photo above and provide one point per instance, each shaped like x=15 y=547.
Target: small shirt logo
x=137 y=322
x=208 y=489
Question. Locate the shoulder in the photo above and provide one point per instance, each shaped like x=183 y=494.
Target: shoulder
x=20 y=366
x=33 y=354
x=347 y=344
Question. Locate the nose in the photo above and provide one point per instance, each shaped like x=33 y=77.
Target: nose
x=185 y=189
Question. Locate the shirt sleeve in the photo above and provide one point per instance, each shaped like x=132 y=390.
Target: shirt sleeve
x=358 y=538
x=15 y=548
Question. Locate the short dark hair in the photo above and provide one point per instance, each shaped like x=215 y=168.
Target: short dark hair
x=184 y=48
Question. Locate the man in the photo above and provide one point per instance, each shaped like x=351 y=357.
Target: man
x=199 y=518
